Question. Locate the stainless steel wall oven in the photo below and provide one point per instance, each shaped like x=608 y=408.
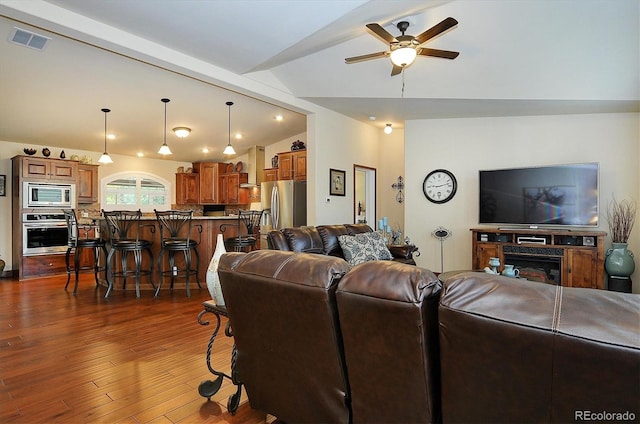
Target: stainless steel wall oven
x=44 y=233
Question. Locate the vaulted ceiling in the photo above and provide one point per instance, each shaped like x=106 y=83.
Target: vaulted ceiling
x=525 y=57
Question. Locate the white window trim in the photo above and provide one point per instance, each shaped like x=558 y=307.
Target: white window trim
x=138 y=175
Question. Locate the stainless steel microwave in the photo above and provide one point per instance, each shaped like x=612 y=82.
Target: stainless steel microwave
x=46 y=195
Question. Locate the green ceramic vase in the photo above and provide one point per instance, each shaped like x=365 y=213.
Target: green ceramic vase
x=619 y=261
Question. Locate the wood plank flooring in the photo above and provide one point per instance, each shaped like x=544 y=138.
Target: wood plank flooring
x=86 y=359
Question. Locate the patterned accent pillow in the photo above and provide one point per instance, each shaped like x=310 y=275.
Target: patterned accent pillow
x=364 y=247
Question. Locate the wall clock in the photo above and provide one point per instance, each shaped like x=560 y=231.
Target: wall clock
x=440 y=186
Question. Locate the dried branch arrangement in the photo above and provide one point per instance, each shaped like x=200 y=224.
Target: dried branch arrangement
x=621 y=217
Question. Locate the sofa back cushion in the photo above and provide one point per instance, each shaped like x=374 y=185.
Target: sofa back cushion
x=388 y=317
x=522 y=351
x=282 y=309
x=354 y=229
x=303 y=239
x=329 y=235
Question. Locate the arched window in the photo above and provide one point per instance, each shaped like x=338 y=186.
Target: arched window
x=135 y=190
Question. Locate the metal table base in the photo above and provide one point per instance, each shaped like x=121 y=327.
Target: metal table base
x=209 y=388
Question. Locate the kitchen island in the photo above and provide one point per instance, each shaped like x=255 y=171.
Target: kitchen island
x=54 y=264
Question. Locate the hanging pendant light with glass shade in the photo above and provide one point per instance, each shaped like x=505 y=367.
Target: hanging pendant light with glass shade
x=105 y=158
x=229 y=150
x=164 y=149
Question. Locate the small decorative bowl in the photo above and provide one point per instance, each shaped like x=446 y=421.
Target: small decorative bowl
x=30 y=151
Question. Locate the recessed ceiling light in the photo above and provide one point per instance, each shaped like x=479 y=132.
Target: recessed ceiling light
x=279 y=118
x=372 y=118
x=205 y=150
x=238 y=136
x=140 y=154
x=111 y=136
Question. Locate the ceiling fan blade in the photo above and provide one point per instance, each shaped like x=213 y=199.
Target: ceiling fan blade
x=382 y=33
x=364 y=57
x=436 y=30
x=446 y=54
x=396 y=70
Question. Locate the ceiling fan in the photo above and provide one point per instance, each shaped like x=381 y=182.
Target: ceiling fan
x=404 y=48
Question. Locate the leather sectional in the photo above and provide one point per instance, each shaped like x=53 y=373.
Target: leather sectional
x=320 y=341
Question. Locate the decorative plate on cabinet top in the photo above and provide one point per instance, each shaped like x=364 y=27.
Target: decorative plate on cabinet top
x=229 y=168
x=75 y=157
x=29 y=151
x=238 y=167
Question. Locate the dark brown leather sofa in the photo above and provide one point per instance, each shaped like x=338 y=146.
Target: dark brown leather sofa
x=318 y=341
x=323 y=240
x=518 y=351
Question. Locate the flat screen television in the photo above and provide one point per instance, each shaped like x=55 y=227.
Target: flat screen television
x=556 y=195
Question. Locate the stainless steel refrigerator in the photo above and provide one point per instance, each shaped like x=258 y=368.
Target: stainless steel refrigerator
x=284 y=204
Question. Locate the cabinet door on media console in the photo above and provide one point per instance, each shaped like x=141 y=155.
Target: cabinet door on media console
x=581 y=268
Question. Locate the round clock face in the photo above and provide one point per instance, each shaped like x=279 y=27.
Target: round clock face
x=440 y=186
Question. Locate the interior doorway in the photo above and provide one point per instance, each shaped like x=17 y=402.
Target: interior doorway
x=364 y=195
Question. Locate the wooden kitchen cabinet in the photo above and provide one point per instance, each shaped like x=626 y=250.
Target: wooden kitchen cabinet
x=87 y=183
x=292 y=165
x=49 y=169
x=231 y=192
x=187 y=188
x=209 y=175
x=271 y=174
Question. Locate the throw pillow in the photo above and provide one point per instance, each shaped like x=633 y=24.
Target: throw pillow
x=364 y=247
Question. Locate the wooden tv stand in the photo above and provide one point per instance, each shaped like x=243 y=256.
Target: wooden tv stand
x=576 y=257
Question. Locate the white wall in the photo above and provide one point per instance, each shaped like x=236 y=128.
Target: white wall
x=336 y=142
x=465 y=146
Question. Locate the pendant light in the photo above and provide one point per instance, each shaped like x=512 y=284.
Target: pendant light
x=105 y=158
x=164 y=149
x=229 y=149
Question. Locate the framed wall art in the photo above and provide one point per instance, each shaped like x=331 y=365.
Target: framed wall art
x=336 y=182
x=3 y=185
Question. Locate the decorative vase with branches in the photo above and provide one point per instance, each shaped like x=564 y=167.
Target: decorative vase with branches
x=621 y=216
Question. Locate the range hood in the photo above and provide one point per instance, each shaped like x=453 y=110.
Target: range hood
x=255 y=167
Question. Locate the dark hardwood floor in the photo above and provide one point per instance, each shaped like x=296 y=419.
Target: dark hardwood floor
x=80 y=359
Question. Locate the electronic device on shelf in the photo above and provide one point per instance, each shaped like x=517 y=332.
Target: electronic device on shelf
x=555 y=195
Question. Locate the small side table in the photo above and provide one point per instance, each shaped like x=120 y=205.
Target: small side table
x=209 y=388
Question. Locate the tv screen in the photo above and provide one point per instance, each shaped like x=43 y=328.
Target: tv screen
x=544 y=195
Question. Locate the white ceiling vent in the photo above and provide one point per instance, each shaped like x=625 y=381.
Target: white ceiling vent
x=28 y=39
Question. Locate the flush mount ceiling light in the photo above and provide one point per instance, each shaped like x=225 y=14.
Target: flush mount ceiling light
x=279 y=118
x=164 y=149
x=182 y=132
x=105 y=158
x=229 y=150
x=388 y=129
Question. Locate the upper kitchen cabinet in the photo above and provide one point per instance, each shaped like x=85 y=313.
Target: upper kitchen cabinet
x=48 y=169
x=232 y=193
x=292 y=165
x=87 y=183
x=187 y=188
x=209 y=175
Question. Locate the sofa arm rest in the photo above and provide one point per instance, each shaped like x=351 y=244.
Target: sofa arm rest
x=403 y=251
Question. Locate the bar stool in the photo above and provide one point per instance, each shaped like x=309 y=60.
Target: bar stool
x=175 y=236
x=76 y=243
x=124 y=237
x=249 y=224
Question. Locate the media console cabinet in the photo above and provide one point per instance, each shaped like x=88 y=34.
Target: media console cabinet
x=571 y=258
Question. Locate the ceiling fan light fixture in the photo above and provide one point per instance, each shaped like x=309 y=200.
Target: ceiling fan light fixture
x=182 y=132
x=229 y=150
x=164 y=149
x=105 y=158
x=403 y=56
x=388 y=129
